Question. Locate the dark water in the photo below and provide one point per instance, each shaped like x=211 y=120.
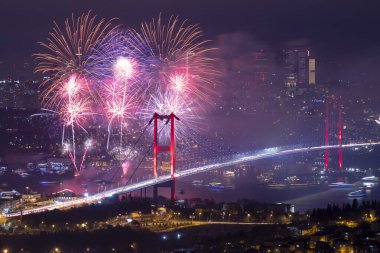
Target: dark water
x=240 y=182
x=304 y=198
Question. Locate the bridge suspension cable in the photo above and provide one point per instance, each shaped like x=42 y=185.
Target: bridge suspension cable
x=130 y=150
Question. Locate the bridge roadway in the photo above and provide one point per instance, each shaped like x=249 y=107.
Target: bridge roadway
x=242 y=158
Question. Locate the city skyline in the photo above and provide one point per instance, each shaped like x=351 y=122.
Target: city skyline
x=189 y=127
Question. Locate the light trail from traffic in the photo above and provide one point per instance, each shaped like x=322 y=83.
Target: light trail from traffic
x=241 y=158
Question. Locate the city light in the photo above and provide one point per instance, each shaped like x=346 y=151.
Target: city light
x=154 y=135
x=165 y=178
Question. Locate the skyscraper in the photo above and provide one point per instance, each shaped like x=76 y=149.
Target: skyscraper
x=260 y=68
x=296 y=70
x=311 y=71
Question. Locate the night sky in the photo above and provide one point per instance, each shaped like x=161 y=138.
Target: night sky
x=336 y=30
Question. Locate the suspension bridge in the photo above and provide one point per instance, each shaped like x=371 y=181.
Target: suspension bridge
x=225 y=158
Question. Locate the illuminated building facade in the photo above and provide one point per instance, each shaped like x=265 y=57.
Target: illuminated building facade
x=260 y=68
x=311 y=71
x=296 y=70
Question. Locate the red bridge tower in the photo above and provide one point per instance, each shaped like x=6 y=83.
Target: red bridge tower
x=338 y=103
x=171 y=148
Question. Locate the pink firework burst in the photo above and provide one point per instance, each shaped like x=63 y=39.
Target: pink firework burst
x=167 y=102
x=120 y=104
x=176 y=49
x=75 y=111
x=179 y=82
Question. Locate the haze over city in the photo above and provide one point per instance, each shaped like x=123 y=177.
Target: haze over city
x=189 y=126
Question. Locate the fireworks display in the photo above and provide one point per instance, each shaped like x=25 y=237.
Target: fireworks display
x=176 y=57
x=97 y=69
x=68 y=52
x=170 y=102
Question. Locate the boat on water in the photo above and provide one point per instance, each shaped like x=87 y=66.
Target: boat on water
x=369 y=184
x=216 y=185
x=370 y=178
x=49 y=182
x=197 y=182
x=277 y=186
x=356 y=194
x=340 y=185
x=3 y=170
x=229 y=173
x=8 y=195
x=299 y=185
x=103 y=181
x=24 y=175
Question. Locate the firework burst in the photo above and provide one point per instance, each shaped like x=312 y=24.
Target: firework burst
x=120 y=84
x=69 y=52
x=176 y=52
x=97 y=68
x=119 y=105
x=165 y=103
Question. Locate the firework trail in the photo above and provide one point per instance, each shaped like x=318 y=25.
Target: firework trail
x=178 y=69
x=73 y=112
x=87 y=146
x=120 y=73
x=97 y=68
x=69 y=52
x=75 y=107
x=165 y=103
x=119 y=105
x=176 y=57
x=126 y=156
x=69 y=118
x=123 y=69
x=68 y=62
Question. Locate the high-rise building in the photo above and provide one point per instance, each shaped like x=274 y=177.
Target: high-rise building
x=311 y=71
x=6 y=97
x=260 y=68
x=19 y=94
x=296 y=70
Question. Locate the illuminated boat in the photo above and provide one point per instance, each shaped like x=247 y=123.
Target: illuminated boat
x=216 y=185
x=277 y=185
x=49 y=182
x=369 y=184
x=370 y=178
x=24 y=174
x=356 y=194
x=340 y=185
x=9 y=195
x=197 y=182
x=229 y=173
x=299 y=185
